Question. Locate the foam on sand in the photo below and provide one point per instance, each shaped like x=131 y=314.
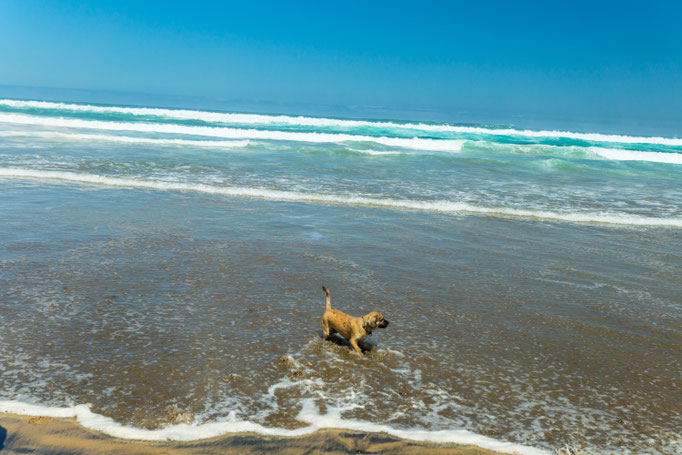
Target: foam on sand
x=440 y=206
x=308 y=414
x=234 y=133
x=260 y=119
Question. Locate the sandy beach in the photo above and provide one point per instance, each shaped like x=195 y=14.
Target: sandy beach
x=47 y=435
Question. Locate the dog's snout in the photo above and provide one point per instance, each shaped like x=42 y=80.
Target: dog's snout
x=383 y=324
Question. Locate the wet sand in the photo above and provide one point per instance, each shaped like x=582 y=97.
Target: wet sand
x=46 y=435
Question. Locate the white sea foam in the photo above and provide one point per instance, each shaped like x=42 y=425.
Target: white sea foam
x=608 y=153
x=309 y=414
x=636 y=155
x=234 y=133
x=223 y=117
x=588 y=152
x=125 y=139
x=440 y=206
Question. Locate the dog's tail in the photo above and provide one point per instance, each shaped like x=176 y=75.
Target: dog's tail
x=329 y=305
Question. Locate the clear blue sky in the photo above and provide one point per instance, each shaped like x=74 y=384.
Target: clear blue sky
x=598 y=59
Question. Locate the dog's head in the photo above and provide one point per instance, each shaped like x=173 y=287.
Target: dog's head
x=374 y=320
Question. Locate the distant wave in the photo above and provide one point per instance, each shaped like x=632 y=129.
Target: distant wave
x=222 y=117
x=124 y=139
x=440 y=206
x=235 y=133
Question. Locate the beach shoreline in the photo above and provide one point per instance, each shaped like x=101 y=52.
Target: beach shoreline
x=47 y=435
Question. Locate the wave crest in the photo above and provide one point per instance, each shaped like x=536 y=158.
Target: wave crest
x=261 y=119
x=439 y=206
x=416 y=143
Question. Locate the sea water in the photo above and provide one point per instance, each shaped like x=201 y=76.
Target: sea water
x=164 y=267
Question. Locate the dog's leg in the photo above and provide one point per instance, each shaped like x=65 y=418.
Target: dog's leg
x=325 y=329
x=354 y=343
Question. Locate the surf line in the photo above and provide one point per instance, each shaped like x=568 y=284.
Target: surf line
x=416 y=143
x=264 y=119
x=438 y=206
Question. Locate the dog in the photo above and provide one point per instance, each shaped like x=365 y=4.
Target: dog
x=354 y=329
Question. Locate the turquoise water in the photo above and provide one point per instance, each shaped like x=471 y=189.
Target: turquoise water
x=547 y=175
x=173 y=259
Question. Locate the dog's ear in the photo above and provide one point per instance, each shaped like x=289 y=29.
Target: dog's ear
x=368 y=323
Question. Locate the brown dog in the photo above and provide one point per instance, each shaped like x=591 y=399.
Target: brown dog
x=352 y=328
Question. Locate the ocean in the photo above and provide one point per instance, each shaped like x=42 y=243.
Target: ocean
x=161 y=274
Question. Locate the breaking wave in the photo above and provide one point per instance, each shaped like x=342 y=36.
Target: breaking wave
x=260 y=119
x=439 y=206
x=636 y=155
x=235 y=133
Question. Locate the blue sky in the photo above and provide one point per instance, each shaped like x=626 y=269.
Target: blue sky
x=593 y=59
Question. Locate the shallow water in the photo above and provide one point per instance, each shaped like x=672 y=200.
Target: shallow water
x=169 y=282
